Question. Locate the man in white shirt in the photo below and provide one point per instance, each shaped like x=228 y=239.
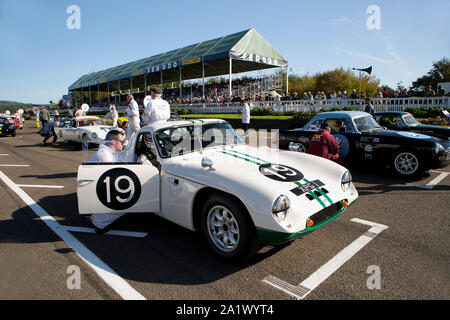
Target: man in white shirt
x=245 y=114
x=132 y=113
x=146 y=101
x=107 y=153
x=113 y=115
x=156 y=109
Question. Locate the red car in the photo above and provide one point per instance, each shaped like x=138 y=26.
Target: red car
x=18 y=123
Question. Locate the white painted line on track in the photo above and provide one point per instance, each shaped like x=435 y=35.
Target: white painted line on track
x=430 y=185
x=4 y=154
x=39 y=186
x=110 y=232
x=314 y=280
x=14 y=165
x=118 y=284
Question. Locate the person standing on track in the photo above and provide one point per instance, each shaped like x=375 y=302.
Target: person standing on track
x=324 y=145
x=133 y=118
x=44 y=116
x=157 y=109
x=245 y=114
x=113 y=115
x=107 y=152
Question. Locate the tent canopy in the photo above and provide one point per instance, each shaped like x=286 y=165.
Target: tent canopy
x=248 y=49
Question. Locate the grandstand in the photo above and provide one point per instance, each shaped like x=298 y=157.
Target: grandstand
x=240 y=52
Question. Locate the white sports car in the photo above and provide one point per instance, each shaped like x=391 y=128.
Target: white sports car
x=86 y=129
x=206 y=178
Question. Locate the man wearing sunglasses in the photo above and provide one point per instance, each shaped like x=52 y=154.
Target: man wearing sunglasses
x=107 y=153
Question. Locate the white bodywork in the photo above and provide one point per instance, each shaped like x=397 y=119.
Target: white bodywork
x=74 y=131
x=170 y=192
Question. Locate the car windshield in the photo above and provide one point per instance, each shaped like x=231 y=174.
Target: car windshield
x=366 y=124
x=91 y=122
x=176 y=141
x=410 y=120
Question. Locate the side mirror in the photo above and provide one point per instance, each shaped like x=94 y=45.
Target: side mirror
x=207 y=163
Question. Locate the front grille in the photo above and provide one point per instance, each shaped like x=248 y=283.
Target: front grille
x=326 y=213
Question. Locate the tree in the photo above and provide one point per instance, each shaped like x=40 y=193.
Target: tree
x=333 y=80
x=440 y=72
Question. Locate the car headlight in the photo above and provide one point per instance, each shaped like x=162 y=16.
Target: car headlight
x=94 y=135
x=437 y=148
x=346 y=181
x=280 y=207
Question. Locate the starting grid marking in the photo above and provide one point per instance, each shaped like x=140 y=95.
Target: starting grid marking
x=118 y=284
x=300 y=291
x=430 y=185
x=132 y=234
x=39 y=186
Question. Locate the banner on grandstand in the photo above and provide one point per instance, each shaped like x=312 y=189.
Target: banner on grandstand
x=162 y=67
x=191 y=61
x=257 y=58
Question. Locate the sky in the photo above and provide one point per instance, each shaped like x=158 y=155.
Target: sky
x=40 y=57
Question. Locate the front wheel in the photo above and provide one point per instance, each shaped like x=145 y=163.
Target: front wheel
x=406 y=163
x=228 y=229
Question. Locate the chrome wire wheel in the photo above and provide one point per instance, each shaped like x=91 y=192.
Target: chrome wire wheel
x=223 y=228
x=406 y=163
x=301 y=148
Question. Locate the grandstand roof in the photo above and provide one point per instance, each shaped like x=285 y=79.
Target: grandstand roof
x=249 y=50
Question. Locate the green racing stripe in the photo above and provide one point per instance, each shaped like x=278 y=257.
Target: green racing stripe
x=246 y=157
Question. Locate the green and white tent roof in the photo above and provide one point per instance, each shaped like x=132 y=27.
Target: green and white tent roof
x=248 y=49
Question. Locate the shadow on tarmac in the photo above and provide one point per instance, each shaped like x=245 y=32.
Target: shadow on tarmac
x=169 y=254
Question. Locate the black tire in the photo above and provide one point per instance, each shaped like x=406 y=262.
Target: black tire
x=13 y=134
x=407 y=163
x=233 y=218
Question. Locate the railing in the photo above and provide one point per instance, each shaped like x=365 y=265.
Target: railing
x=380 y=104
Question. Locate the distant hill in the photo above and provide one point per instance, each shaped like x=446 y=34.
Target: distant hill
x=13 y=105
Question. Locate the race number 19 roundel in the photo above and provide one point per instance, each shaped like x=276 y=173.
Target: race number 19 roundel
x=118 y=188
x=280 y=172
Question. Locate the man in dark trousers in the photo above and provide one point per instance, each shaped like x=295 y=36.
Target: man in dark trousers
x=324 y=145
x=369 y=107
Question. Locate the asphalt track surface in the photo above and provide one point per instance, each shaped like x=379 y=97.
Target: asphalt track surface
x=411 y=254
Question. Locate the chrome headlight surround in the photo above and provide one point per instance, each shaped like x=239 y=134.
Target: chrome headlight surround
x=346 y=181
x=280 y=207
x=437 y=148
x=94 y=135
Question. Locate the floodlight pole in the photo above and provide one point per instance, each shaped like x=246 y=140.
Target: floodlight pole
x=203 y=78
x=145 y=84
x=109 y=98
x=287 y=80
x=90 y=96
x=98 y=93
x=161 y=76
x=118 y=87
x=181 y=86
x=231 y=72
x=82 y=95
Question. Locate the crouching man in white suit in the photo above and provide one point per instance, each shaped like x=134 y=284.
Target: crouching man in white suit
x=107 y=152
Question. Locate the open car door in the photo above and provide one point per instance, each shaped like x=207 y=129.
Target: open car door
x=117 y=188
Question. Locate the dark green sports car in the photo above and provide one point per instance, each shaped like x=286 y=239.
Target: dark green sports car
x=404 y=121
